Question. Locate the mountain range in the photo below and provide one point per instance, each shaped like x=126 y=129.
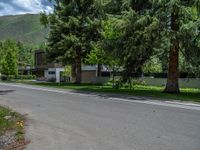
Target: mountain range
x=25 y=28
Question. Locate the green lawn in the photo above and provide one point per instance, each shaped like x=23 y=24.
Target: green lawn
x=187 y=94
x=14 y=122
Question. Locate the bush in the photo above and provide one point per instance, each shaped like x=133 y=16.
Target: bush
x=52 y=80
x=26 y=77
x=4 y=77
x=117 y=85
x=138 y=82
x=11 y=77
x=7 y=77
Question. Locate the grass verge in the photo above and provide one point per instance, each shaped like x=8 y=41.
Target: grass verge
x=12 y=122
x=187 y=94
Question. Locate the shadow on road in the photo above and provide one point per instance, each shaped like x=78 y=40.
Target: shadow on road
x=4 y=92
x=110 y=95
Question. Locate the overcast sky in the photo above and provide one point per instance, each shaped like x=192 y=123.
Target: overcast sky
x=14 y=7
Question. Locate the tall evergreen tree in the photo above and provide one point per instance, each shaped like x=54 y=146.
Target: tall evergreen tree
x=1 y=51
x=176 y=16
x=113 y=6
x=74 y=26
x=137 y=36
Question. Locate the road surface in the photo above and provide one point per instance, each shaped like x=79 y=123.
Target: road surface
x=66 y=120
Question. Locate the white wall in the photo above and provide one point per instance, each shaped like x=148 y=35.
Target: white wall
x=55 y=76
x=49 y=76
x=58 y=71
x=184 y=83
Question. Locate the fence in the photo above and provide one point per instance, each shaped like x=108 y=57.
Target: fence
x=183 y=82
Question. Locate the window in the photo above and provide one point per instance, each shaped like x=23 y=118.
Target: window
x=52 y=72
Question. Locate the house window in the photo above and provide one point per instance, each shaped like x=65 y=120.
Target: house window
x=52 y=72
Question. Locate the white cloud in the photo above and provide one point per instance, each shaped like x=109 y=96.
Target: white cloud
x=5 y=9
x=14 y=7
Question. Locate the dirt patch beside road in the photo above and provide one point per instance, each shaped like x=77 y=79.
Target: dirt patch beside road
x=12 y=130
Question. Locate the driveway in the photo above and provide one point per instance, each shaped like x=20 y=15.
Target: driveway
x=67 y=120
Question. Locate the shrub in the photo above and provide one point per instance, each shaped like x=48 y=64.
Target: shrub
x=4 y=78
x=52 y=80
x=11 y=77
x=25 y=77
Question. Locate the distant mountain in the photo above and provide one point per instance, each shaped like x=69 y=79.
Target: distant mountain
x=25 y=28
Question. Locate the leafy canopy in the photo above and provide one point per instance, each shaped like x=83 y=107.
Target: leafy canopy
x=9 y=61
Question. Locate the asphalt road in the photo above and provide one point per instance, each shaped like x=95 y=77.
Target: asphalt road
x=64 y=120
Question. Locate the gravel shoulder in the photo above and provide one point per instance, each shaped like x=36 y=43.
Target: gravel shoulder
x=12 y=130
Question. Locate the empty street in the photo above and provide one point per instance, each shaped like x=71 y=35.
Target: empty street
x=70 y=120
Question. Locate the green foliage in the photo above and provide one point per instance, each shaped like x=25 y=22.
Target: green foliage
x=8 y=50
x=179 y=24
x=11 y=124
x=188 y=24
x=187 y=94
x=25 y=55
x=153 y=66
x=191 y=45
x=112 y=28
x=44 y=19
x=9 y=63
x=67 y=71
x=73 y=30
x=137 y=36
x=113 y=6
x=25 y=77
x=133 y=31
x=146 y=28
x=97 y=56
x=74 y=26
x=15 y=53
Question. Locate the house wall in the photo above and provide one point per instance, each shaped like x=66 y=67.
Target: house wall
x=58 y=74
x=87 y=76
x=50 y=76
x=41 y=61
x=53 y=74
x=39 y=58
x=100 y=80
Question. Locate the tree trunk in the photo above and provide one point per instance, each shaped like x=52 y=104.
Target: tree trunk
x=99 y=70
x=73 y=75
x=78 y=67
x=172 y=85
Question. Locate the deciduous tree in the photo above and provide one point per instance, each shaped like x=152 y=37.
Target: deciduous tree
x=9 y=58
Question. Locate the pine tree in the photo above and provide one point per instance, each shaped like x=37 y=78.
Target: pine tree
x=74 y=26
x=176 y=23
x=176 y=16
x=136 y=37
x=113 y=6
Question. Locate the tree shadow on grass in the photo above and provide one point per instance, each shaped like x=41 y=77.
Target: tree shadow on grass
x=143 y=95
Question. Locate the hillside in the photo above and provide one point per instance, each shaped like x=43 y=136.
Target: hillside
x=24 y=28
